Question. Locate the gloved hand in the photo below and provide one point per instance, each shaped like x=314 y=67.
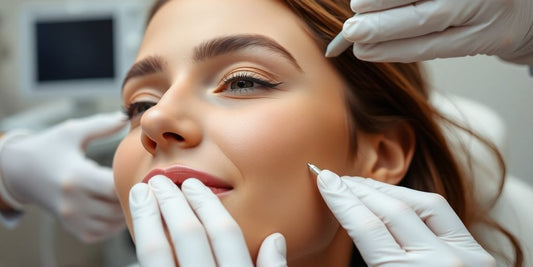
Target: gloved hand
x=50 y=169
x=415 y=30
x=210 y=236
x=398 y=226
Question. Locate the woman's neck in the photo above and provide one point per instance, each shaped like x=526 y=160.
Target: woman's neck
x=338 y=253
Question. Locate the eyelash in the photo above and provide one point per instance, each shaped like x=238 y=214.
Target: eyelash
x=136 y=109
x=249 y=77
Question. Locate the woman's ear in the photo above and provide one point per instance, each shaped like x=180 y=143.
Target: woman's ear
x=386 y=156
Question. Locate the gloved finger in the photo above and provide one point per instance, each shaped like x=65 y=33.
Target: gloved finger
x=87 y=238
x=101 y=209
x=152 y=246
x=224 y=233
x=186 y=231
x=362 y=6
x=368 y=232
x=90 y=229
x=404 y=22
x=401 y=220
x=100 y=230
x=96 y=179
x=97 y=126
x=432 y=208
x=431 y=46
x=109 y=231
x=273 y=252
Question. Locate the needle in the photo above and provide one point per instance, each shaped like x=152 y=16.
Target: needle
x=314 y=168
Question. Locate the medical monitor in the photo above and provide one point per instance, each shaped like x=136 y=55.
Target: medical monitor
x=77 y=49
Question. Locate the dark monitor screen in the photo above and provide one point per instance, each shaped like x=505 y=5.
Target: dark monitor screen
x=71 y=50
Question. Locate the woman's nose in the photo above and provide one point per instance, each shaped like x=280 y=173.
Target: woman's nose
x=169 y=125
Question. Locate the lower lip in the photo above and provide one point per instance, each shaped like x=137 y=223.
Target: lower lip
x=219 y=191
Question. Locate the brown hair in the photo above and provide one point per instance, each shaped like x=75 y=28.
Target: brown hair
x=381 y=95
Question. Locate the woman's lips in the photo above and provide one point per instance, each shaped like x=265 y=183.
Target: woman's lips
x=179 y=173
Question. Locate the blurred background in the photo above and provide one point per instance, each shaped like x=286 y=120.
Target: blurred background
x=62 y=59
x=42 y=83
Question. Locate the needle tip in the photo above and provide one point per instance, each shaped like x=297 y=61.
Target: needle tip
x=313 y=168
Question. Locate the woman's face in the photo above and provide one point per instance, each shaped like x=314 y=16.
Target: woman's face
x=238 y=90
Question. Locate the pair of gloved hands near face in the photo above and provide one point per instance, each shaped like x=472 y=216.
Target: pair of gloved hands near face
x=382 y=220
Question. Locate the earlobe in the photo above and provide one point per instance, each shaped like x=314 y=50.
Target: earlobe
x=389 y=154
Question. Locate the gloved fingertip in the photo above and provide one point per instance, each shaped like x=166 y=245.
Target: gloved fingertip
x=118 y=116
x=160 y=182
x=273 y=251
x=121 y=117
x=139 y=194
x=280 y=243
x=193 y=185
x=354 y=5
x=328 y=179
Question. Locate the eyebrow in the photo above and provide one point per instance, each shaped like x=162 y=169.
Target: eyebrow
x=228 y=44
x=147 y=66
x=213 y=48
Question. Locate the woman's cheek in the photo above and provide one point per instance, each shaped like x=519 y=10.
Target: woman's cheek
x=127 y=155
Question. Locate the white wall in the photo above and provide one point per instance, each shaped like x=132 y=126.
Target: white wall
x=506 y=88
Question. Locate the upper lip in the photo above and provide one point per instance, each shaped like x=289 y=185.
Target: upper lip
x=179 y=173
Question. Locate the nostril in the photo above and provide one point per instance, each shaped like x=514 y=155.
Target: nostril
x=148 y=144
x=174 y=136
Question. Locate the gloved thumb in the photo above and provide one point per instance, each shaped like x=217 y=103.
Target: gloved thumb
x=273 y=252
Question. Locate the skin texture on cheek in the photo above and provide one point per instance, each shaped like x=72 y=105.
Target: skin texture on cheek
x=272 y=148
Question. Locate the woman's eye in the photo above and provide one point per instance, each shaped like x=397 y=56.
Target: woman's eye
x=245 y=83
x=138 y=108
x=241 y=84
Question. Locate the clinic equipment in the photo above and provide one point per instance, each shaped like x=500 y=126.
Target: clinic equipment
x=80 y=49
x=72 y=57
x=338 y=45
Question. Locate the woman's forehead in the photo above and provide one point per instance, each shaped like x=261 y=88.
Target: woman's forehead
x=202 y=18
x=184 y=24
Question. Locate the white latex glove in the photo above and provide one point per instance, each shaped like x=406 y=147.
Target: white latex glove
x=50 y=169
x=203 y=233
x=398 y=226
x=415 y=30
